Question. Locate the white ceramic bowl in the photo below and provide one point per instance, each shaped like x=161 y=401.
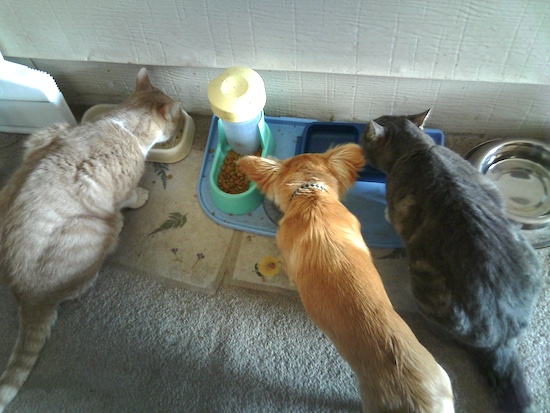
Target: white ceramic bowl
x=172 y=151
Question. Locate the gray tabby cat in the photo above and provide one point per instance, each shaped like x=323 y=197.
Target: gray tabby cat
x=60 y=212
x=473 y=274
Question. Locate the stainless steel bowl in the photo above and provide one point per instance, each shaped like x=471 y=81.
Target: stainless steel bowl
x=521 y=170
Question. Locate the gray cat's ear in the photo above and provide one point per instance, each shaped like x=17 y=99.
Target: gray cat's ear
x=143 y=83
x=420 y=118
x=373 y=131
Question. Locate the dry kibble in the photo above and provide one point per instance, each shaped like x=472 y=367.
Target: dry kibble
x=232 y=180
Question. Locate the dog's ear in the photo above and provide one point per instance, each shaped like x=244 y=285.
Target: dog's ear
x=345 y=161
x=261 y=170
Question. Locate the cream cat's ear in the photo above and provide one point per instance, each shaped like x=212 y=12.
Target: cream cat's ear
x=143 y=83
x=263 y=171
x=419 y=119
x=170 y=111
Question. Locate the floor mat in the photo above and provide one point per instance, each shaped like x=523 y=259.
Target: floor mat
x=170 y=237
x=258 y=266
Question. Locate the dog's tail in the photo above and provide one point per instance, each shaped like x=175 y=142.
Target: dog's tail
x=34 y=328
x=505 y=374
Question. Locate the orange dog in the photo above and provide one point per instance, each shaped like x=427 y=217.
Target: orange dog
x=325 y=255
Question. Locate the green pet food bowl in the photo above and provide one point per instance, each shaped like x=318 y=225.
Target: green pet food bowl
x=243 y=203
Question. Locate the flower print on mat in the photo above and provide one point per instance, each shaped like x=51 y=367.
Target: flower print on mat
x=268 y=268
x=162 y=170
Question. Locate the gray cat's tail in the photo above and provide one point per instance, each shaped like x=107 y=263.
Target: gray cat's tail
x=505 y=375
x=34 y=328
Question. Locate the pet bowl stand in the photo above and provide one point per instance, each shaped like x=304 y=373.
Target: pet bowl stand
x=248 y=201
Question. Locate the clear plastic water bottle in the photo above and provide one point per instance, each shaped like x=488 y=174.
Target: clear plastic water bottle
x=238 y=98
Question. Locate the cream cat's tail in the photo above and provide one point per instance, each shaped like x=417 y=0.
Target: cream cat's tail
x=34 y=328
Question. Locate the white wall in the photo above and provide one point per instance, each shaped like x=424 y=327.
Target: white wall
x=483 y=66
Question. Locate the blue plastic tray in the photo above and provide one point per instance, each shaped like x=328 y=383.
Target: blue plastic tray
x=320 y=136
x=366 y=199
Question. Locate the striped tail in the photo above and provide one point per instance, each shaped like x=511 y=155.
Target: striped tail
x=34 y=328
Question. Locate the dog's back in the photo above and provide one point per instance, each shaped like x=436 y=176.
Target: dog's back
x=324 y=253
x=344 y=295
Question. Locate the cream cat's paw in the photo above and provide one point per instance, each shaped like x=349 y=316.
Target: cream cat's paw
x=137 y=199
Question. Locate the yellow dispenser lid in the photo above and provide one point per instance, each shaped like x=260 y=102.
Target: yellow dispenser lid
x=237 y=95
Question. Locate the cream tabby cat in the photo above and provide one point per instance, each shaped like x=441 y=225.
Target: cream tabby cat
x=60 y=212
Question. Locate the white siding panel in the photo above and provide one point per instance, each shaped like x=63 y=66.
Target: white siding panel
x=505 y=109
x=491 y=40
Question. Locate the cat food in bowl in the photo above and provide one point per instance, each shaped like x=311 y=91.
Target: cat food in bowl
x=232 y=180
x=251 y=198
x=171 y=151
x=521 y=170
